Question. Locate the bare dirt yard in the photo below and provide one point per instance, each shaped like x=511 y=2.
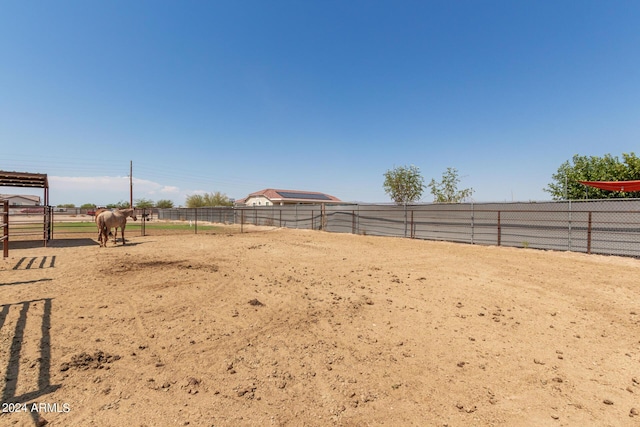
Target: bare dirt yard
x=305 y=328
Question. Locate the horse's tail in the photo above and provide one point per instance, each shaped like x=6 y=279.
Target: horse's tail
x=102 y=224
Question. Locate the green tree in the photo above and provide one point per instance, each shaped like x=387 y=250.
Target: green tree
x=164 y=204
x=217 y=199
x=195 y=201
x=144 y=203
x=87 y=206
x=446 y=191
x=208 y=199
x=120 y=205
x=404 y=184
x=66 y=205
x=566 y=185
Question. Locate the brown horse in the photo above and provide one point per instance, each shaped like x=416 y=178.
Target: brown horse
x=108 y=220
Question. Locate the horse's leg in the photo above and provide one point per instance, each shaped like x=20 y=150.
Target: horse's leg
x=122 y=231
x=100 y=232
x=104 y=236
x=115 y=236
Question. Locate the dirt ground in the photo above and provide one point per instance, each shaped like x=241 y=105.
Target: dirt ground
x=306 y=328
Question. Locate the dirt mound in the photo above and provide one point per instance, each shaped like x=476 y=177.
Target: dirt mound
x=84 y=361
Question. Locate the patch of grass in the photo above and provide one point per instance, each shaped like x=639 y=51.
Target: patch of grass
x=170 y=226
x=86 y=227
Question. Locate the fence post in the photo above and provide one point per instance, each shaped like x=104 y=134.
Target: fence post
x=473 y=212
x=5 y=229
x=47 y=212
x=569 y=234
x=499 y=229
x=242 y=221
x=196 y=218
x=405 y=220
x=280 y=211
x=353 y=222
x=413 y=234
x=589 y=234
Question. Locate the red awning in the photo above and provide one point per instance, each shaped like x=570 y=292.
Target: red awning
x=627 y=186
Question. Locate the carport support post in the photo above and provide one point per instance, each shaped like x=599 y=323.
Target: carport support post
x=50 y=226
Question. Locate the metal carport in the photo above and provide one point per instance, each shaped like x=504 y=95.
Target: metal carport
x=31 y=180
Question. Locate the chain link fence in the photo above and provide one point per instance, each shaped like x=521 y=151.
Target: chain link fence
x=609 y=227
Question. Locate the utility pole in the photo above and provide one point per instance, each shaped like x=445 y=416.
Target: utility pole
x=131 y=183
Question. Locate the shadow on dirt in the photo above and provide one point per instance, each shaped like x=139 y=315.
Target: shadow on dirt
x=119 y=245
x=28 y=310
x=63 y=243
x=54 y=243
x=26 y=282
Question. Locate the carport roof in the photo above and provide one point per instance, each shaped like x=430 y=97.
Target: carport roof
x=627 y=186
x=23 y=179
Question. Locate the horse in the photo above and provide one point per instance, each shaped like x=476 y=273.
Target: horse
x=108 y=220
x=103 y=231
x=96 y=215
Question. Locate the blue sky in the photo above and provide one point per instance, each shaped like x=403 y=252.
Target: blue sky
x=237 y=96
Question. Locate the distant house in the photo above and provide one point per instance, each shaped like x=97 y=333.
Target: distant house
x=21 y=199
x=270 y=197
